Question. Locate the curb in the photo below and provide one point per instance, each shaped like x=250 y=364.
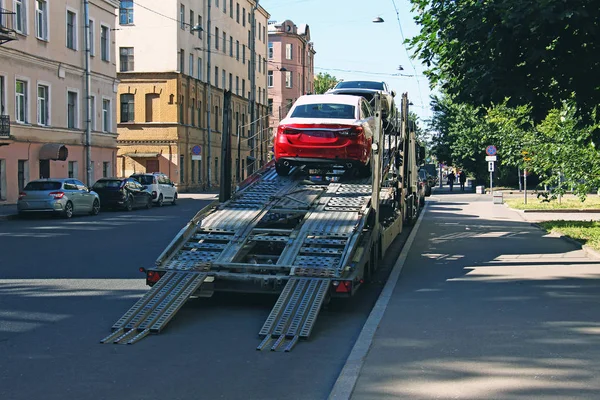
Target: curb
x=346 y=381
x=587 y=249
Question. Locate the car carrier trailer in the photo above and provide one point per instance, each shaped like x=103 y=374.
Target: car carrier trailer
x=308 y=236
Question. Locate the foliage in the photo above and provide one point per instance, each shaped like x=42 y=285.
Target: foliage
x=567 y=202
x=324 y=82
x=536 y=53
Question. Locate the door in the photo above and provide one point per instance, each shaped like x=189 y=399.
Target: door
x=166 y=187
x=72 y=193
x=87 y=199
x=138 y=192
x=44 y=169
x=151 y=166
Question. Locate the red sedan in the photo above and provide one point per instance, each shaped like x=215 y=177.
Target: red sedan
x=326 y=131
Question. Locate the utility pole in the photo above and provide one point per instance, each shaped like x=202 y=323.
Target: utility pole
x=252 y=76
x=88 y=106
x=209 y=97
x=225 y=190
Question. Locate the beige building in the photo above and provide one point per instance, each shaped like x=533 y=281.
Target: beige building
x=42 y=91
x=163 y=93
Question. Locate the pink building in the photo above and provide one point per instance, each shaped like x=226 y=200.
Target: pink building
x=290 y=68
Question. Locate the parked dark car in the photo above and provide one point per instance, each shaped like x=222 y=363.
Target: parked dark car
x=125 y=193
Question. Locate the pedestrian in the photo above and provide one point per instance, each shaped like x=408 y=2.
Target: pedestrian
x=451 y=179
x=462 y=178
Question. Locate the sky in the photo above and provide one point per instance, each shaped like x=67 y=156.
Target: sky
x=350 y=46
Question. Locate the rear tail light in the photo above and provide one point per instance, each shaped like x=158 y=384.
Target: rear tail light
x=343 y=286
x=152 y=277
x=154 y=194
x=352 y=131
x=21 y=195
x=57 y=195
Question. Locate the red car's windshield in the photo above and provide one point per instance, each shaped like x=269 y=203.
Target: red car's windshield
x=324 y=110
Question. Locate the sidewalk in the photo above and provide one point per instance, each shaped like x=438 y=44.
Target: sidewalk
x=482 y=305
x=8 y=211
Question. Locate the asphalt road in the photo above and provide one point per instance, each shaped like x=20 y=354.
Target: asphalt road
x=64 y=283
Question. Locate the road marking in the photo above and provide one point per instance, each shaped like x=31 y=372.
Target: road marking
x=346 y=381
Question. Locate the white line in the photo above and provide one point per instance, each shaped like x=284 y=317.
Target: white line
x=346 y=381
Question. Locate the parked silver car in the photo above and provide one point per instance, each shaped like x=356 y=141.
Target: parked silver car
x=63 y=196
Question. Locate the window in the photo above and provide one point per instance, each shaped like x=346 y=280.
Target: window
x=237 y=85
x=224 y=42
x=71 y=30
x=152 y=103
x=20 y=9
x=264 y=34
x=288 y=51
x=243 y=87
x=126 y=12
x=237 y=50
x=2 y=94
x=217 y=169
x=288 y=79
x=217 y=118
x=243 y=17
x=216 y=76
x=182 y=16
x=270 y=50
x=217 y=3
x=230 y=46
x=182 y=61
x=231 y=9
x=72 y=122
x=42 y=105
x=91 y=38
x=106 y=169
x=21 y=106
x=259 y=31
x=126 y=58
x=181 y=107
x=259 y=63
x=216 y=38
x=200 y=67
x=22 y=173
x=105 y=115
x=41 y=19
x=92 y=111
x=243 y=54
x=230 y=81
x=181 y=168
x=237 y=12
x=191 y=22
x=224 y=6
x=199 y=113
x=200 y=25
x=127 y=107
x=72 y=169
x=199 y=171
x=270 y=79
x=193 y=170
x=223 y=75
x=105 y=42
x=270 y=106
x=191 y=62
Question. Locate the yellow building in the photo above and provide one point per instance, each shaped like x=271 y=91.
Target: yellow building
x=162 y=104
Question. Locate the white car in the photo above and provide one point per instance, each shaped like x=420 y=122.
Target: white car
x=161 y=187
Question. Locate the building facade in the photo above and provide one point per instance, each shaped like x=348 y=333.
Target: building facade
x=291 y=67
x=43 y=92
x=163 y=97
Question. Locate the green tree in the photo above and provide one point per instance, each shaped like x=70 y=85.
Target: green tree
x=324 y=82
x=536 y=53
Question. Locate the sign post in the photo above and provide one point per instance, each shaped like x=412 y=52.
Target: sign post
x=491 y=158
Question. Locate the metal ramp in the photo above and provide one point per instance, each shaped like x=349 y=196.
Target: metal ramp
x=156 y=308
x=294 y=313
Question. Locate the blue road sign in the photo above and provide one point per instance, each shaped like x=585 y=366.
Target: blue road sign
x=490 y=150
x=196 y=150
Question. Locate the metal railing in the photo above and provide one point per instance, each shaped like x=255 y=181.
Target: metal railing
x=4 y=125
x=257 y=147
x=7 y=26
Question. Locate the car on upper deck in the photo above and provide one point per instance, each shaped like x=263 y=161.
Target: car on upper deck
x=326 y=131
x=368 y=89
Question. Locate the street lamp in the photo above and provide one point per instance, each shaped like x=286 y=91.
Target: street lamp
x=378 y=20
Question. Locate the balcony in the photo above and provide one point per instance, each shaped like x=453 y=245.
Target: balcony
x=7 y=24
x=4 y=126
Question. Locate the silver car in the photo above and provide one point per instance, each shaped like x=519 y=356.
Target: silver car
x=63 y=196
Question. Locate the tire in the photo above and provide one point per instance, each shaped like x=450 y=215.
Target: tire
x=149 y=203
x=128 y=204
x=160 y=201
x=95 y=207
x=174 y=202
x=68 y=212
x=282 y=170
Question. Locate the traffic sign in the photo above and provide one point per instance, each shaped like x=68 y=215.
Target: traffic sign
x=491 y=158
x=490 y=150
x=491 y=166
x=196 y=150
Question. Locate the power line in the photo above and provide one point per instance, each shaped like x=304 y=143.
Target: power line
x=408 y=55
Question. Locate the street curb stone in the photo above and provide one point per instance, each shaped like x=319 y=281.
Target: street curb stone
x=587 y=249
